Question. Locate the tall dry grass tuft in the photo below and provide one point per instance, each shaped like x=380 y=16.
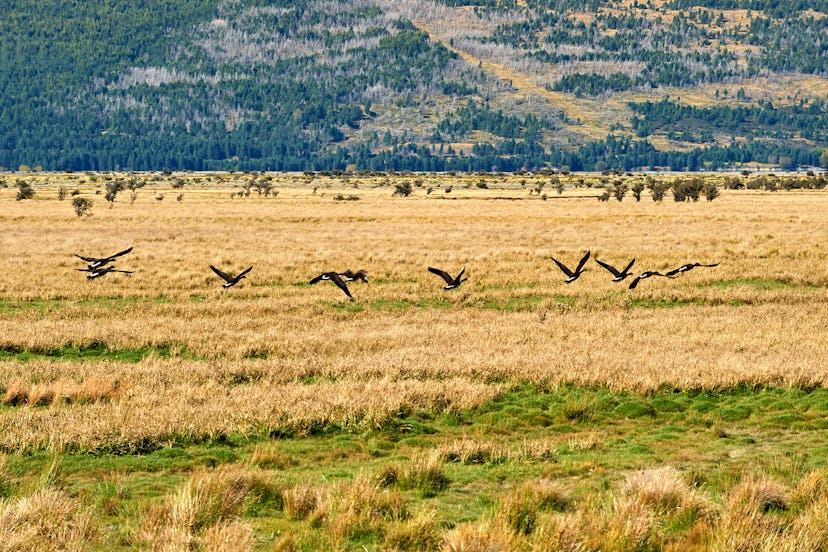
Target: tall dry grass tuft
x=471 y=451
x=521 y=509
x=420 y=533
x=560 y=533
x=749 y=515
x=206 y=508
x=423 y=473
x=300 y=501
x=811 y=489
x=628 y=524
x=665 y=490
x=477 y=537
x=359 y=509
x=46 y=520
x=230 y=536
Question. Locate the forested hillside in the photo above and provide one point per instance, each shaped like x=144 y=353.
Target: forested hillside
x=413 y=85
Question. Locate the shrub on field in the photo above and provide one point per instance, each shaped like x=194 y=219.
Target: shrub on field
x=637 y=188
x=403 y=189
x=711 y=191
x=113 y=187
x=658 y=189
x=82 y=206
x=733 y=183
x=688 y=189
x=619 y=190
x=24 y=190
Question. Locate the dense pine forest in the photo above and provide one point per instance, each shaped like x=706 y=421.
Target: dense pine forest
x=402 y=85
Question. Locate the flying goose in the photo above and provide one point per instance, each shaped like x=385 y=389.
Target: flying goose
x=335 y=278
x=646 y=274
x=229 y=280
x=101 y=271
x=95 y=262
x=687 y=267
x=451 y=283
x=619 y=274
x=350 y=275
x=572 y=274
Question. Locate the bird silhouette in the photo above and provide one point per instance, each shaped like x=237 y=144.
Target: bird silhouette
x=572 y=275
x=95 y=262
x=230 y=280
x=619 y=274
x=335 y=278
x=101 y=271
x=646 y=274
x=451 y=283
x=688 y=267
x=350 y=275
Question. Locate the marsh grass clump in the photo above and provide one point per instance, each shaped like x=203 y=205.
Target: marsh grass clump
x=521 y=509
x=48 y=519
x=358 y=509
x=419 y=533
x=207 y=508
x=469 y=451
x=300 y=501
x=423 y=473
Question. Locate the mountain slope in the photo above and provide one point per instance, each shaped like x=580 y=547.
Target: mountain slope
x=380 y=84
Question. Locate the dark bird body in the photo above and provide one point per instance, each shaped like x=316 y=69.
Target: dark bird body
x=619 y=274
x=101 y=271
x=230 y=280
x=335 y=278
x=646 y=274
x=350 y=275
x=688 y=267
x=572 y=275
x=95 y=262
x=451 y=283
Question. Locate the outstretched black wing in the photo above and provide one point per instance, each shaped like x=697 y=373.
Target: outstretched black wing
x=340 y=284
x=323 y=276
x=223 y=275
x=583 y=262
x=88 y=259
x=442 y=274
x=245 y=271
x=563 y=267
x=124 y=252
x=635 y=282
x=614 y=271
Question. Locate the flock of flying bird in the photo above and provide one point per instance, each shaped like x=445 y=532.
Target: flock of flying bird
x=100 y=266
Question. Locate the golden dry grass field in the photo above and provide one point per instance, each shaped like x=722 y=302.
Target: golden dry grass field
x=165 y=358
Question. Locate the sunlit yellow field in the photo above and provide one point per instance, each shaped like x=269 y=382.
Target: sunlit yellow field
x=306 y=352
x=274 y=355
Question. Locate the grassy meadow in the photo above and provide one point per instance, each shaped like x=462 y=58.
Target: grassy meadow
x=159 y=411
